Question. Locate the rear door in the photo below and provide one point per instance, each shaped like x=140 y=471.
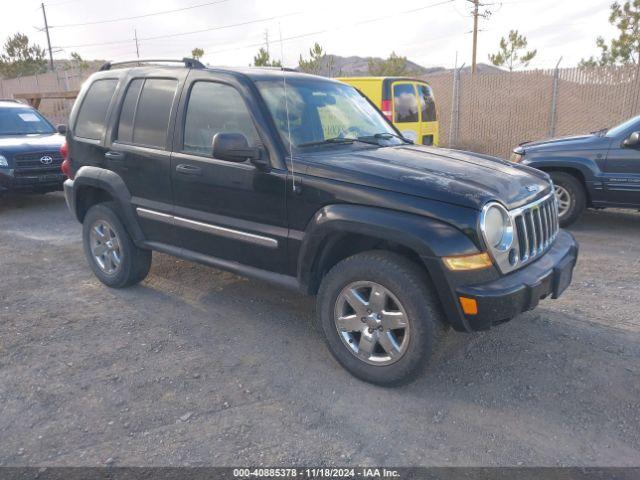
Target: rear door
x=140 y=151
x=428 y=116
x=406 y=110
x=227 y=210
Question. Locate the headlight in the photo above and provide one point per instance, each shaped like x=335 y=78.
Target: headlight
x=3 y=161
x=497 y=227
x=516 y=157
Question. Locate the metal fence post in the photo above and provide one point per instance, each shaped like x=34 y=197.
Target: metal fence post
x=455 y=108
x=554 y=100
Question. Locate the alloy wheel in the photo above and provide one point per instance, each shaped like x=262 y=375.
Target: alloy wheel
x=105 y=247
x=564 y=200
x=372 y=323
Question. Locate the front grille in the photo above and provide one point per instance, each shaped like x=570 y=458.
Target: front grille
x=31 y=163
x=536 y=227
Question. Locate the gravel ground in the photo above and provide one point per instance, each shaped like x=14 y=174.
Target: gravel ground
x=200 y=367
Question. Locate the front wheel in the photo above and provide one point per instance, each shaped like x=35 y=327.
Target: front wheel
x=571 y=197
x=380 y=317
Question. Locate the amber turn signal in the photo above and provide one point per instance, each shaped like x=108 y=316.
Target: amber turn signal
x=468 y=262
x=469 y=305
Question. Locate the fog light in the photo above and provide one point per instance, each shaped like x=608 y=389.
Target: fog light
x=469 y=305
x=468 y=262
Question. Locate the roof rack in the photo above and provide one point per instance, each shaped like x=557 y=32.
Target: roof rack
x=188 y=62
x=283 y=69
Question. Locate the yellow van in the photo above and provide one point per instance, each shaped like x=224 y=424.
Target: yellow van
x=407 y=102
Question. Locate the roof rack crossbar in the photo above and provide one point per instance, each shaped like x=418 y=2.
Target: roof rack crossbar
x=188 y=62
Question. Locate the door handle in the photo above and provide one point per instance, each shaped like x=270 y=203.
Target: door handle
x=186 y=169
x=111 y=155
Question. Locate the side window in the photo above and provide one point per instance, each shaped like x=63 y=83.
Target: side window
x=92 y=117
x=405 y=103
x=146 y=109
x=213 y=108
x=427 y=103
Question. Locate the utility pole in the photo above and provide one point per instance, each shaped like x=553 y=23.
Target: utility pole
x=135 y=36
x=266 y=39
x=46 y=29
x=476 y=6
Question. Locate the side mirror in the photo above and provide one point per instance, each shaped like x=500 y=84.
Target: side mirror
x=62 y=129
x=233 y=147
x=632 y=141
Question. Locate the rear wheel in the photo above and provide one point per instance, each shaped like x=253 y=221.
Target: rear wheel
x=571 y=197
x=111 y=253
x=380 y=317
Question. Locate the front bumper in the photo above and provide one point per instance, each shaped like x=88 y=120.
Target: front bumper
x=10 y=181
x=502 y=298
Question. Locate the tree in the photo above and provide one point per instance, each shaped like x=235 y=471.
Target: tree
x=317 y=62
x=392 y=66
x=197 y=53
x=263 y=59
x=624 y=50
x=20 y=58
x=510 y=52
x=78 y=62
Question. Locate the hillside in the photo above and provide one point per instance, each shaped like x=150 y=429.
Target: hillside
x=354 y=66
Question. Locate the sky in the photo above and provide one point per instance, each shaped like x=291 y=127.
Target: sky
x=429 y=32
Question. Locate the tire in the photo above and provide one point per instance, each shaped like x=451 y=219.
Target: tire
x=123 y=264
x=409 y=292
x=571 y=190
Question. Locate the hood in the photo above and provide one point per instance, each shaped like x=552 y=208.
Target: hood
x=450 y=176
x=30 y=143
x=576 y=142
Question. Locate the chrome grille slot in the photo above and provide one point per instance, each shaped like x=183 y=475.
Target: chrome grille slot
x=536 y=226
x=535 y=229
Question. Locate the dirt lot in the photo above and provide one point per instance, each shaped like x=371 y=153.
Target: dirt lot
x=200 y=367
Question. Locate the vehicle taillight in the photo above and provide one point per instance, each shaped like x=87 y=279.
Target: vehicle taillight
x=387 y=110
x=66 y=165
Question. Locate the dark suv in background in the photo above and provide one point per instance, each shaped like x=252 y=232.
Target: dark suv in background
x=598 y=170
x=30 y=155
x=301 y=181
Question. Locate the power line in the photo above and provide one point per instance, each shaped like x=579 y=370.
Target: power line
x=320 y=32
x=121 y=19
x=171 y=35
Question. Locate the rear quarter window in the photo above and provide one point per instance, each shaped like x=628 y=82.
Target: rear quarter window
x=92 y=117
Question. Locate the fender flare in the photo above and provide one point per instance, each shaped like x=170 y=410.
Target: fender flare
x=111 y=183
x=426 y=237
x=588 y=168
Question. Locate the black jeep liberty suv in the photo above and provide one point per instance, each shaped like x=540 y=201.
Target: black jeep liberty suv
x=301 y=181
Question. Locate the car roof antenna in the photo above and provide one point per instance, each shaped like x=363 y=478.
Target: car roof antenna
x=286 y=106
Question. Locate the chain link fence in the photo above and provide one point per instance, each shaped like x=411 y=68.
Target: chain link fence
x=494 y=112
x=487 y=112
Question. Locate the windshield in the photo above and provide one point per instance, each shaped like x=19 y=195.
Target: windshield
x=624 y=126
x=23 y=121
x=323 y=112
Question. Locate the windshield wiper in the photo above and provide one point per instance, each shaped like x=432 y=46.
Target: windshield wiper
x=601 y=132
x=387 y=136
x=336 y=140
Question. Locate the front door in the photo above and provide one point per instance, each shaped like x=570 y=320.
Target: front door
x=406 y=110
x=622 y=173
x=232 y=211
